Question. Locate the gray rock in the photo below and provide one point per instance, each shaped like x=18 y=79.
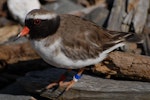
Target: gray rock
x=13 y=97
x=14 y=92
x=4 y=21
x=88 y=87
x=62 y=6
x=98 y=15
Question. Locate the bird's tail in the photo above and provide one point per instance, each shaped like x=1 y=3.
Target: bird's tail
x=125 y=36
x=122 y=37
x=132 y=37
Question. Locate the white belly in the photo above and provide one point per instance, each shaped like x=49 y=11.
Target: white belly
x=58 y=59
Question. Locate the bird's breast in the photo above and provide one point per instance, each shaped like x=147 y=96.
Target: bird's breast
x=53 y=55
x=48 y=53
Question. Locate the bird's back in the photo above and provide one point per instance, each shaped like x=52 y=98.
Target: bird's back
x=78 y=43
x=83 y=39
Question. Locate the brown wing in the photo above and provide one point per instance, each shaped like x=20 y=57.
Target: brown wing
x=83 y=39
x=81 y=47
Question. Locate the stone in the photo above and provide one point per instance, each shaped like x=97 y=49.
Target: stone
x=4 y=22
x=14 y=92
x=62 y=6
x=88 y=87
x=13 y=97
x=98 y=15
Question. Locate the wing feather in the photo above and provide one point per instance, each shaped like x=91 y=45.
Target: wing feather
x=84 y=40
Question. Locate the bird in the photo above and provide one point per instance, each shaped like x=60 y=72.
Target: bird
x=70 y=42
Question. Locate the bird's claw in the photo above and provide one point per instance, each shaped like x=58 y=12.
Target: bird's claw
x=67 y=84
x=55 y=90
x=51 y=85
x=55 y=85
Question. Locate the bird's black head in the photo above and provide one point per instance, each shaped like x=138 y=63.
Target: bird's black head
x=40 y=24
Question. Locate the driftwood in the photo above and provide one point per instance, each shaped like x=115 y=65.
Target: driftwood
x=132 y=65
x=122 y=15
x=8 y=31
x=125 y=64
x=140 y=16
x=131 y=16
x=10 y=66
x=115 y=19
x=146 y=36
x=89 y=87
x=17 y=52
x=128 y=15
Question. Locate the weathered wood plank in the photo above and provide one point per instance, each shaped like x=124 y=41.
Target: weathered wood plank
x=115 y=19
x=88 y=86
x=140 y=15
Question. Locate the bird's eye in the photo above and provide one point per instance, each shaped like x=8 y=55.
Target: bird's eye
x=37 y=21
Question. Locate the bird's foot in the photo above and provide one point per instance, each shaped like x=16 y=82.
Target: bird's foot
x=68 y=84
x=51 y=85
x=61 y=83
x=56 y=89
x=55 y=85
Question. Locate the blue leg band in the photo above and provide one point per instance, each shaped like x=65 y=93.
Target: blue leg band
x=77 y=77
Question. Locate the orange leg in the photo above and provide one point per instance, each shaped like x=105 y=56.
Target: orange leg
x=72 y=82
x=62 y=78
x=68 y=84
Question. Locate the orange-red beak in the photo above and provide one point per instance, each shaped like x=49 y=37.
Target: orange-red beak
x=24 y=32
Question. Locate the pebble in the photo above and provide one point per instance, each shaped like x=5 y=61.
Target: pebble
x=98 y=16
x=62 y=6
